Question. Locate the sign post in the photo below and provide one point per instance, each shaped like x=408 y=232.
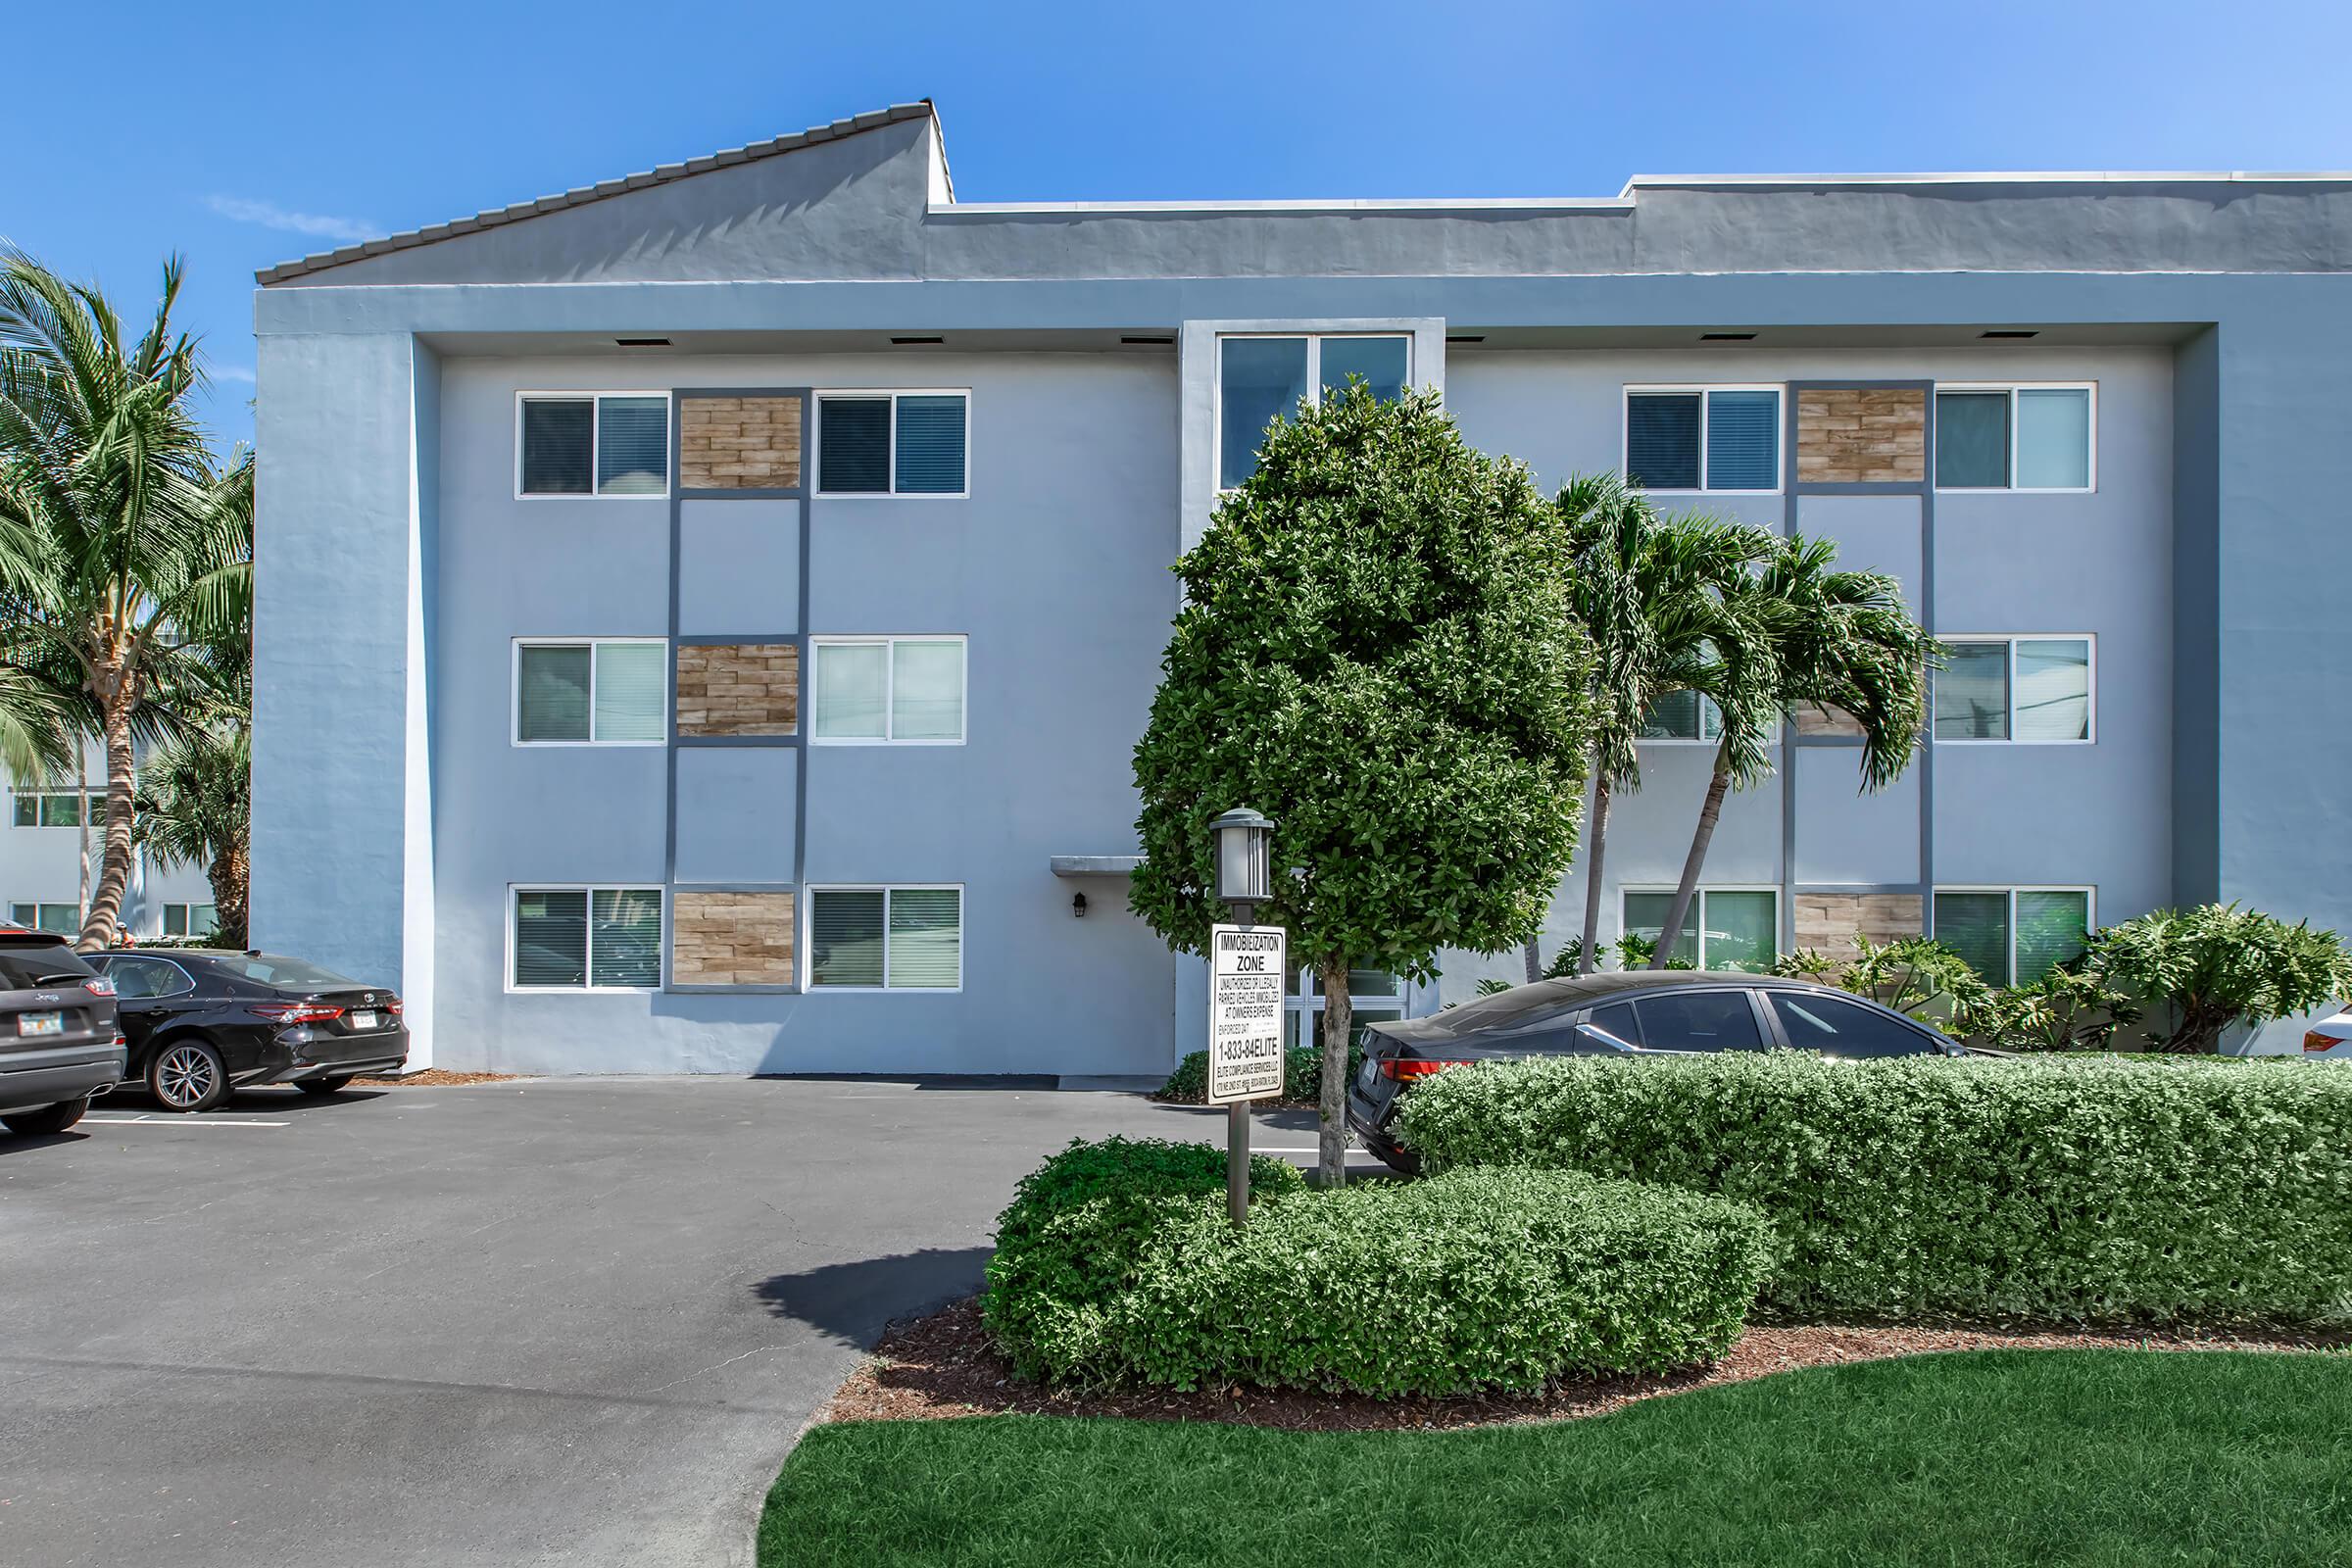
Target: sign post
x=1246 y=970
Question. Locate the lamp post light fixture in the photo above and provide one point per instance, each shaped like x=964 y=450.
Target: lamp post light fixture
x=1242 y=879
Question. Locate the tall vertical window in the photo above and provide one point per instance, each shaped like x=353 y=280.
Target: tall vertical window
x=585 y=939
x=1725 y=928
x=907 y=689
x=2014 y=936
x=1704 y=438
x=2015 y=437
x=2034 y=690
x=598 y=692
x=592 y=443
x=886 y=939
x=891 y=443
x=1261 y=380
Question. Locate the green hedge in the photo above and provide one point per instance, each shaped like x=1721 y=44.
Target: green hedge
x=1501 y=1279
x=1302 y=1076
x=2113 y=1191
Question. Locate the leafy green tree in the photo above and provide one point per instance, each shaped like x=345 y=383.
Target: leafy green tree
x=1840 y=640
x=2219 y=965
x=1376 y=650
x=1658 y=598
x=124 y=552
x=195 y=803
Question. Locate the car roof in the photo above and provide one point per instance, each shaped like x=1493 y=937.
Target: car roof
x=1604 y=984
x=26 y=937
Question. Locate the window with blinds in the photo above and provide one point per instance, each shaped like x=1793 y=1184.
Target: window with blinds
x=886 y=939
x=887 y=690
x=586 y=939
x=1724 y=929
x=891 y=443
x=2032 y=690
x=593 y=444
x=597 y=692
x=1704 y=438
x=2014 y=936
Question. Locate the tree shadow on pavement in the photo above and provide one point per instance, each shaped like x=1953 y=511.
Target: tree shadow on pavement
x=853 y=1302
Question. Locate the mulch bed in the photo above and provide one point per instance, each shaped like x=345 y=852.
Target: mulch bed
x=942 y=1366
x=436 y=1078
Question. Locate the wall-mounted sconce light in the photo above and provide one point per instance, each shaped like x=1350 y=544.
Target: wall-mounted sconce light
x=1078 y=905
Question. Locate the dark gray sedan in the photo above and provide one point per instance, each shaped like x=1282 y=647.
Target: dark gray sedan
x=1641 y=1013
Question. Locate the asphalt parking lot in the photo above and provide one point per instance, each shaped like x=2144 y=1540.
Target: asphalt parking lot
x=571 y=1321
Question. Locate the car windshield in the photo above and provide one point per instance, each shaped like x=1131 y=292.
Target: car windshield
x=26 y=964
x=288 y=974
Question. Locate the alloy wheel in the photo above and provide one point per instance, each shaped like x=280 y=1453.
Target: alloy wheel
x=185 y=1077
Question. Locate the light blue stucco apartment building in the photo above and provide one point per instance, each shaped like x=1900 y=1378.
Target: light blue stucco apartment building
x=704 y=617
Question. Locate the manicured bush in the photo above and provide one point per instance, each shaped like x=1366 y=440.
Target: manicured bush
x=2116 y=1190
x=1302 y=1076
x=1487 y=1279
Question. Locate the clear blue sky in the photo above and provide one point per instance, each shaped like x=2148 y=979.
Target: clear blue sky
x=245 y=136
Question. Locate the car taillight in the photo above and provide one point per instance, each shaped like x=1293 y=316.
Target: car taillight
x=2315 y=1041
x=393 y=1006
x=99 y=986
x=1404 y=1069
x=298 y=1011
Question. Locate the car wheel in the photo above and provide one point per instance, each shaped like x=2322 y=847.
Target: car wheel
x=187 y=1075
x=324 y=1087
x=47 y=1120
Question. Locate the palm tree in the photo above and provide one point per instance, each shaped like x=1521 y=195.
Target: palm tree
x=1840 y=640
x=1655 y=595
x=119 y=536
x=195 y=806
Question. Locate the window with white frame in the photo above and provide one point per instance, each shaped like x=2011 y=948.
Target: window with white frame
x=591 y=691
x=58 y=919
x=1704 y=438
x=1261 y=378
x=2016 y=437
x=886 y=938
x=1724 y=929
x=1373 y=996
x=58 y=808
x=887 y=690
x=592 y=444
x=2014 y=936
x=2032 y=690
x=190 y=920
x=584 y=938
x=891 y=443
x=1683 y=716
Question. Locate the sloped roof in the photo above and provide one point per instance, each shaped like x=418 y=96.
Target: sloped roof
x=874 y=120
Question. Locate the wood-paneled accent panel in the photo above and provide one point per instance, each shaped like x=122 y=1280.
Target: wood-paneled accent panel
x=731 y=939
x=1827 y=923
x=1861 y=435
x=739 y=688
x=738 y=443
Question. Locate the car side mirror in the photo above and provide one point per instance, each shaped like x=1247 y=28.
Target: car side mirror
x=1594 y=1034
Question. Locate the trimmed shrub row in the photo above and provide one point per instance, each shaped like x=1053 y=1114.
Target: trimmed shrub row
x=1116 y=1263
x=2032 y=1190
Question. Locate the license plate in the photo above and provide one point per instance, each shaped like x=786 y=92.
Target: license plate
x=40 y=1024
x=364 y=1020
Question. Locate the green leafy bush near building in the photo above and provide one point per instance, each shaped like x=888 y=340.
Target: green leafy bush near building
x=2076 y=1190
x=1302 y=1072
x=1116 y=1263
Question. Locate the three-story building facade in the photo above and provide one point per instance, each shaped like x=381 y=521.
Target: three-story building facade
x=704 y=619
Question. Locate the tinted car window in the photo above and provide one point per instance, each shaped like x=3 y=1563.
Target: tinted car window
x=1846 y=1028
x=1617 y=1019
x=1699 y=1020
x=290 y=973
x=135 y=978
x=27 y=964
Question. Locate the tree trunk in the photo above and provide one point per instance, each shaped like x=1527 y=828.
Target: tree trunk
x=1339 y=1027
x=230 y=875
x=1708 y=813
x=1590 y=959
x=99 y=923
x=1535 y=960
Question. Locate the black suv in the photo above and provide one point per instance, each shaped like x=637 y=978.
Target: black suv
x=1647 y=1012
x=59 y=1042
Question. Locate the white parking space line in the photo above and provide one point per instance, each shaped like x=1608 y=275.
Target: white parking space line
x=179 y=1121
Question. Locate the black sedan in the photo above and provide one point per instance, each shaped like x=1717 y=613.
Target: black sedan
x=1633 y=1015
x=203 y=1023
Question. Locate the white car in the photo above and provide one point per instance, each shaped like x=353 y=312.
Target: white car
x=2331 y=1037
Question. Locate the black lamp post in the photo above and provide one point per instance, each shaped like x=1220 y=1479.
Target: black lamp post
x=1244 y=882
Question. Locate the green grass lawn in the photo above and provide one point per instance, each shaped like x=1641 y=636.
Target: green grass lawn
x=2049 y=1458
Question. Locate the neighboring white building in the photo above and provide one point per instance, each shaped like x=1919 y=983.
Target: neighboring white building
x=42 y=884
